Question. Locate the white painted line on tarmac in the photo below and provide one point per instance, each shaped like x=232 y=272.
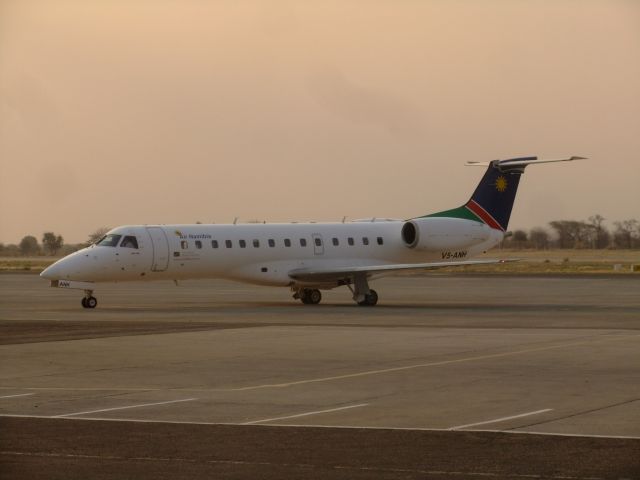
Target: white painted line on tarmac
x=502 y=419
x=294 y=425
x=430 y=364
x=19 y=395
x=123 y=408
x=317 y=412
x=591 y=340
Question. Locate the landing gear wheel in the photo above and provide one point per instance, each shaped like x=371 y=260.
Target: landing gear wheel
x=314 y=296
x=89 y=302
x=310 y=296
x=370 y=299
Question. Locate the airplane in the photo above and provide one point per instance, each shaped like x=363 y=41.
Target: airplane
x=305 y=257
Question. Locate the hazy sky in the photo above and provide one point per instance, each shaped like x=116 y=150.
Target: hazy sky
x=127 y=112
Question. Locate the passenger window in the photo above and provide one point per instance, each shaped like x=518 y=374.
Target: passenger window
x=129 y=242
x=242 y=243
x=214 y=243
x=318 y=242
x=198 y=244
x=228 y=243
x=303 y=242
x=272 y=242
x=335 y=241
x=365 y=241
x=256 y=243
x=109 y=240
x=287 y=242
x=350 y=241
x=380 y=241
x=184 y=244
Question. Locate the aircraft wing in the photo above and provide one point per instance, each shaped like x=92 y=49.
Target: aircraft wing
x=321 y=274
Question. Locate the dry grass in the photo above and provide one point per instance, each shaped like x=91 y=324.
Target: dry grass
x=560 y=261
x=25 y=264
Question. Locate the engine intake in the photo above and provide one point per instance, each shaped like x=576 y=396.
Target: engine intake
x=410 y=234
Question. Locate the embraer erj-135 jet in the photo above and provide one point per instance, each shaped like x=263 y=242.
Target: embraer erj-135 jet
x=306 y=257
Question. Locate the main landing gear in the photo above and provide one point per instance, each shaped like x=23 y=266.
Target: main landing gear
x=362 y=294
x=370 y=299
x=308 y=296
x=89 y=301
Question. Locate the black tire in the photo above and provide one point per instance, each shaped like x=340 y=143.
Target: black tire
x=304 y=296
x=91 y=302
x=310 y=296
x=370 y=299
x=84 y=302
x=314 y=296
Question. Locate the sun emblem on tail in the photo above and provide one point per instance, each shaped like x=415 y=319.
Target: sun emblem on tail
x=501 y=184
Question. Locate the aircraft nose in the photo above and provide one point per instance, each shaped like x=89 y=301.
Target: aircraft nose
x=52 y=272
x=66 y=268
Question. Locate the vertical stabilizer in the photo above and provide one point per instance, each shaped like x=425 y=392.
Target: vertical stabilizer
x=492 y=201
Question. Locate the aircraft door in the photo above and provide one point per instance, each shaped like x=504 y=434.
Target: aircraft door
x=160 y=246
x=318 y=244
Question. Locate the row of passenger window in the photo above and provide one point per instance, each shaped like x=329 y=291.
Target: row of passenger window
x=287 y=242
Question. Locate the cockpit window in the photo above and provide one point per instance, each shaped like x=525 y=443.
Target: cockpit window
x=110 y=240
x=129 y=242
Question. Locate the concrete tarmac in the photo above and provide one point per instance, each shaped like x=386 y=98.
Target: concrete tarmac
x=450 y=376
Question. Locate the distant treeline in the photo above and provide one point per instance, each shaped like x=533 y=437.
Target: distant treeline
x=51 y=245
x=578 y=234
x=560 y=234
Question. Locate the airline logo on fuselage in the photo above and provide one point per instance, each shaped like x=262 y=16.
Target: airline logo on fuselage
x=192 y=236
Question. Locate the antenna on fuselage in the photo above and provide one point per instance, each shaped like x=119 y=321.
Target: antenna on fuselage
x=235 y=220
x=344 y=219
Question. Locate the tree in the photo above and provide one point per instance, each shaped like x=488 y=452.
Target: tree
x=97 y=235
x=29 y=245
x=627 y=234
x=539 y=238
x=519 y=238
x=601 y=235
x=571 y=233
x=52 y=243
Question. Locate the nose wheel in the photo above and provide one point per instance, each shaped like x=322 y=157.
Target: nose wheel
x=89 y=301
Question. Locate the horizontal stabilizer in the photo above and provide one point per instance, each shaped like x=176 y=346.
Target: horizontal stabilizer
x=521 y=162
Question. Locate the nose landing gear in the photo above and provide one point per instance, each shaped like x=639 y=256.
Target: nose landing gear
x=89 y=301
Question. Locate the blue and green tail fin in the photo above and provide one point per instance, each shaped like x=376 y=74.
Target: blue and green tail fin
x=492 y=201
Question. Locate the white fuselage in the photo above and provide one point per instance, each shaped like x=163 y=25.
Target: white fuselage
x=265 y=254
